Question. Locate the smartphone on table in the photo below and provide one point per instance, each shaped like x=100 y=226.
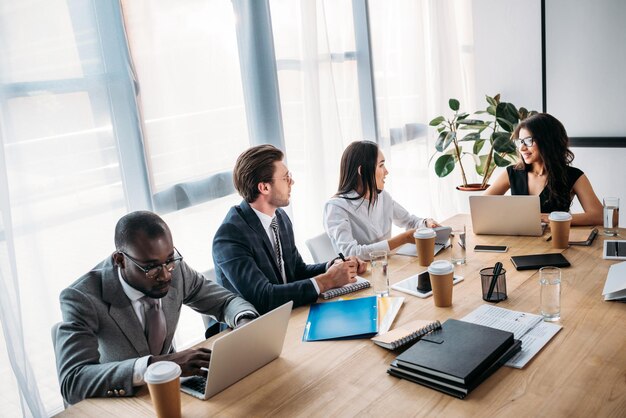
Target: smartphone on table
x=491 y=248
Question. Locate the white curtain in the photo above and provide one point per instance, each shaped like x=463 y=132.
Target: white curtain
x=422 y=56
x=60 y=183
x=319 y=100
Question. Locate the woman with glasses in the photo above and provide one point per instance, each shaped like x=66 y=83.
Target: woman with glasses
x=544 y=169
x=359 y=217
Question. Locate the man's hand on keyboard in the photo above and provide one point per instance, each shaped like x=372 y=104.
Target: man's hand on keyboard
x=193 y=361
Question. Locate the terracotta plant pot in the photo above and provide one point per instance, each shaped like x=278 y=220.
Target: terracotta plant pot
x=472 y=187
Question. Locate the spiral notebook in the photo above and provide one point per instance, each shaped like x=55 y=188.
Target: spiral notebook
x=406 y=334
x=360 y=283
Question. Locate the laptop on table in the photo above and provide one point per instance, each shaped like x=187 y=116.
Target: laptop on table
x=241 y=352
x=506 y=215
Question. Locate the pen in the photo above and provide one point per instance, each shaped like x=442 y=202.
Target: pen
x=496 y=272
x=342 y=257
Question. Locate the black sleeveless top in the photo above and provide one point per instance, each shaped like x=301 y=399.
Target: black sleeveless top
x=518 y=179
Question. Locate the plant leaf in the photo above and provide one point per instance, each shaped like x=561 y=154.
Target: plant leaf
x=491 y=110
x=471 y=122
x=505 y=124
x=480 y=168
x=500 y=162
x=502 y=143
x=454 y=104
x=440 y=141
x=462 y=116
x=478 y=145
x=491 y=101
x=474 y=136
x=444 y=165
x=437 y=121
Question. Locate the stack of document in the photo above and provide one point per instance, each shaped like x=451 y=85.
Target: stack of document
x=456 y=358
x=529 y=328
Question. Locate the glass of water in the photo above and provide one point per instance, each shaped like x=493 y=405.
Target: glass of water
x=458 y=245
x=611 y=215
x=550 y=293
x=379 y=279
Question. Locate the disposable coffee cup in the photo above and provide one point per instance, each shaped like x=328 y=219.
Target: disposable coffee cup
x=163 y=379
x=441 y=274
x=425 y=243
x=559 y=226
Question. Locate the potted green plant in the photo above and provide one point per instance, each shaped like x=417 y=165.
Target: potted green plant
x=489 y=139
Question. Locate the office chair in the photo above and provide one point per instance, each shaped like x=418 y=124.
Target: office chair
x=53 y=333
x=321 y=248
x=211 y=326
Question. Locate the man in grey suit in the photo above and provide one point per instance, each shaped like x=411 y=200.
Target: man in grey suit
x=121 y=316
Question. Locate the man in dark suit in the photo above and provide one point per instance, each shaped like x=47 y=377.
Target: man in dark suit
x=254 y=249
x=121 y=316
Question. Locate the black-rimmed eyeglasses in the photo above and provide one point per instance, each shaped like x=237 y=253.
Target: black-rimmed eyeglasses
x=529 y=142
x=153 y=271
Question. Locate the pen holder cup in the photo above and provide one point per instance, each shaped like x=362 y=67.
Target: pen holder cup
x=499 y=290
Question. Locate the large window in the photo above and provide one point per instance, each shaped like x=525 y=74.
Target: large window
x=61 y=169
x=316 y=65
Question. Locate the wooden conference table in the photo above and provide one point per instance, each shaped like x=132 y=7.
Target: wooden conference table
x=580 y=372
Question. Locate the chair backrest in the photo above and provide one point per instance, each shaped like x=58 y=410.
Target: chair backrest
x=53 y=333
x=321 y=248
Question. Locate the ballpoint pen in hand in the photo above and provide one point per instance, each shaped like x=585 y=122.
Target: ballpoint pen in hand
x=496 y=272
x=342 y=257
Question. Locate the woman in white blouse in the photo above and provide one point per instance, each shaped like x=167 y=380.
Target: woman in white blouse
x=358 y=219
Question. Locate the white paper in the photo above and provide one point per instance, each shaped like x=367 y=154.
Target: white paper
x=529 y=328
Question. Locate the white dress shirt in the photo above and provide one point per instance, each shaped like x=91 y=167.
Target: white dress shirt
x=356 y=229
x=266 y=221
x=141 y=364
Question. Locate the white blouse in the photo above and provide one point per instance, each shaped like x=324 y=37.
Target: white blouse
x=356 y=230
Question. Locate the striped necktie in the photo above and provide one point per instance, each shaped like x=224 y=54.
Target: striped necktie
x=279 y=257
x=155 y=327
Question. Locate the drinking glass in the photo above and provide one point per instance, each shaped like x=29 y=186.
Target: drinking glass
x=611 y=215
x=550 y=293
x=379 y=279
x=458 y=245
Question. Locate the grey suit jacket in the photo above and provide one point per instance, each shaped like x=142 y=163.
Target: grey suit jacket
x=101 y=337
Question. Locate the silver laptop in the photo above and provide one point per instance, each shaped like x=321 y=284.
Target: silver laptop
x=441 y=242
x=241 y=352
x=506 y=215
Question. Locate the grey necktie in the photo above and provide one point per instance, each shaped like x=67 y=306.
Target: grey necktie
x=155 y=328
x=279 y=257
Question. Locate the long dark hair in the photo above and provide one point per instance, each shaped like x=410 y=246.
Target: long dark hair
x=363 y=154
x=550 y=136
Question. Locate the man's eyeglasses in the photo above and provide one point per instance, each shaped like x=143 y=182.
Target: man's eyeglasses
x=287 y=177
x=529 y=142
x=153 y=271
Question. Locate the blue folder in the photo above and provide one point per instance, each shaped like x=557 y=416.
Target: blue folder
x=342 y=319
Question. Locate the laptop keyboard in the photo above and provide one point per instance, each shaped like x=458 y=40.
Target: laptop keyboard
x=195 y=383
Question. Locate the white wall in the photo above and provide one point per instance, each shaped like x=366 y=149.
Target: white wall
x=507 y=48
x=587 y=93
x=586 y=65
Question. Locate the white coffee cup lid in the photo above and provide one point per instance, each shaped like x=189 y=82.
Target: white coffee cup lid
x=440 y=267
x=424 y=233
x=560 y=216
x=162 y=372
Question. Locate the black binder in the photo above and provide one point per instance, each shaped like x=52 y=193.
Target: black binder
x=458 y=352
x=536 y=261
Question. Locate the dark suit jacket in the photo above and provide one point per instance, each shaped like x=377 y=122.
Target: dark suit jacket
x=245 y=262
x=101 y=337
